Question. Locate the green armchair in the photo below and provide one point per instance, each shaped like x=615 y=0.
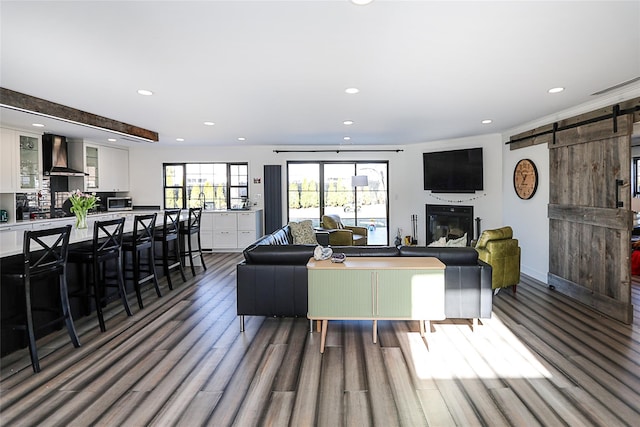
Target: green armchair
x=500 y=250
x=343 y=235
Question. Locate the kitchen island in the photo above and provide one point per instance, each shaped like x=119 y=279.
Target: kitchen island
x=11 y=241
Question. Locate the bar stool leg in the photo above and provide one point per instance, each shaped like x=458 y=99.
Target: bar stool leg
x=98 y=292
x=33 y=352
x=176 y=248
x=66 y=311
x=165 y=263
x=204 y=266
x=193 y=269
x=121 y=289
x=151 y=269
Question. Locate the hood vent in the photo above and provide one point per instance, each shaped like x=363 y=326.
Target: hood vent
x=55 y=160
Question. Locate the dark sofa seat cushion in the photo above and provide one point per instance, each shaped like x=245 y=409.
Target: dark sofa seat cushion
x=448 y=256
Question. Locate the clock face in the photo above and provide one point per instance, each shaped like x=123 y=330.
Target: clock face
x=525 y=179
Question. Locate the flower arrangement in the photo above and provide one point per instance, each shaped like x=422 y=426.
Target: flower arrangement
x=80 y=205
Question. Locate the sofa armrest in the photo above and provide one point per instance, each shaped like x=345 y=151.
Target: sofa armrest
x=322 y=236
x=357 y=230
x=341 y=237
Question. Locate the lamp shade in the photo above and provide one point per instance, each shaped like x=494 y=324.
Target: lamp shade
x=359 y=181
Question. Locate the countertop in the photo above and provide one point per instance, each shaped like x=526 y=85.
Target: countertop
x=12 y=235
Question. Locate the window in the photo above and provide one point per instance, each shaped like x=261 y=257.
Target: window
x=206 y=185
x=319 y=188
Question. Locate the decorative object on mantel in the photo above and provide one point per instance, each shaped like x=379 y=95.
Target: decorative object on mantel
x=80 y=205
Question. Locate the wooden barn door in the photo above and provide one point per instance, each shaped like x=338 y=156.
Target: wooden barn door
x=590 y=220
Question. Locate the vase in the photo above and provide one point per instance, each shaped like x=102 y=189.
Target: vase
x=81 y=219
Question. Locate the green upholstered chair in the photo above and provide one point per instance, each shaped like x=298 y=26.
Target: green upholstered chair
x=343 y=235
x=500 y=250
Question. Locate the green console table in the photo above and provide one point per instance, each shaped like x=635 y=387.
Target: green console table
x=376 y=288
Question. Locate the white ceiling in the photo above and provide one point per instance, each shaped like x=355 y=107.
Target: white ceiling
x=275 y=72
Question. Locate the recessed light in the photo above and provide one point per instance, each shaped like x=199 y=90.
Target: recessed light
x=487 y=121
x=242 y=138
x=348 y=122
x=38 y=125
x=556 y=90
x=352 y=90
x=347 y=138
x=145 y=92
x=180 y=139
x=111 y=139
x=209 y=123
x=361 y=2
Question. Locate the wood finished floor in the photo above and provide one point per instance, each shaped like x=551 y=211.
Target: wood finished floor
x=540 y=360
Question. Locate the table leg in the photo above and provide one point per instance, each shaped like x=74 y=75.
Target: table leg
x=421 y=327
x=323 y=337
x=375 y=331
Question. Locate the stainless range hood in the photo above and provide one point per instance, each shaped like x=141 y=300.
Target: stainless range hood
x=55 y=160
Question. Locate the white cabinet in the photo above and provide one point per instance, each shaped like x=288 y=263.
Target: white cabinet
x=206 y=230
x=8 y=161
x=108 y=168
x=226 y=230
x=249 y=227
x=20 y=166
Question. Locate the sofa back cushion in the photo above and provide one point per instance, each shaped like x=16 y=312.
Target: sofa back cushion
x=448 y=255
x=364 y=251
x=496 y=234
x=279 y=254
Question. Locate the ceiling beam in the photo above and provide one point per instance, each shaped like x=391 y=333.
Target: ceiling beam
x=30 y=104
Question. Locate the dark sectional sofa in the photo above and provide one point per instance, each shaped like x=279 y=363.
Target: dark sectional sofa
x=272 y=279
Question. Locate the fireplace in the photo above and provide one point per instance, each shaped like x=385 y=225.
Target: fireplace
x=449 y=221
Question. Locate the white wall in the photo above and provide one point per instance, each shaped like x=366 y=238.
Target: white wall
x=528 y=218
x=406 y=192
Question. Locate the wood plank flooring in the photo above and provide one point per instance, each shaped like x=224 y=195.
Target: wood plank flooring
x=542 y=359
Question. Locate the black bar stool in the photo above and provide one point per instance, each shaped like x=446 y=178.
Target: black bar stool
x=186 y=231
x=170 y=253
x=104 y=248
x=141 y=240
x=44 y=255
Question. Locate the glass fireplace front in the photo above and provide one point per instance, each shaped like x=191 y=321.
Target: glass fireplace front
x=449 y=221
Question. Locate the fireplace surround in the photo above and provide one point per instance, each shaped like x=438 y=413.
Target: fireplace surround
x=450 y=221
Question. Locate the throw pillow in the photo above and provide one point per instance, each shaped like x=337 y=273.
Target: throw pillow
x=457 y=243
x=303 y=233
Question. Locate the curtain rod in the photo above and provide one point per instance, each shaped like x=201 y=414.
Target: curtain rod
x=336 y=151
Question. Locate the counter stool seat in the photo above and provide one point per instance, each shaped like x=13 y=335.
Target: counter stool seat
x=137 y=243
x=96 y=257
x=168 y=236
x=44 y=256
x=191 y=228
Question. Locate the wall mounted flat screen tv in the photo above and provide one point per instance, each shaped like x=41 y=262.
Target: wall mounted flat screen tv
x=455 y=171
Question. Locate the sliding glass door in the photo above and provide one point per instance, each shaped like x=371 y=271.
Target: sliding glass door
x=355 y=191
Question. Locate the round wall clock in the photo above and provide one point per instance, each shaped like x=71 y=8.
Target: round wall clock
x=525 y=179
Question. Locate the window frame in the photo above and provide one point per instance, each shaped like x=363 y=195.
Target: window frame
x=184 y=187
x=321 y=176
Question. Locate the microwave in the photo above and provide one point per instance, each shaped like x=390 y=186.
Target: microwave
x=119 y=204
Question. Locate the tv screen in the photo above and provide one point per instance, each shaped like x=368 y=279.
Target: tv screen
x=455 y=171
